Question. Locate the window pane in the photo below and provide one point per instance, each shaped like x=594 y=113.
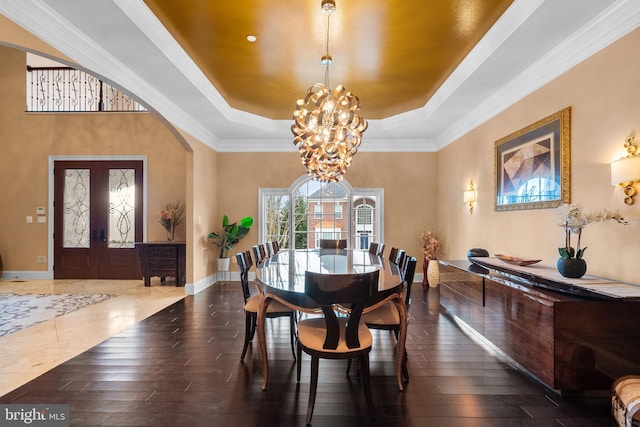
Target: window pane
x=122 y=206
x=318 y=211
x=77 y=200
x=276 y=219
x=366 y=230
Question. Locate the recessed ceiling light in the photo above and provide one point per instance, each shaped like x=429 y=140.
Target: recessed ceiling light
x=251 y=38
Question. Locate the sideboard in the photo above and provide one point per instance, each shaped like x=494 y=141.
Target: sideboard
x=572 y=336
x=163 y=259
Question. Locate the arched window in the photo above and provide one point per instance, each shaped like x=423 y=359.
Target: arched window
x=299 y=216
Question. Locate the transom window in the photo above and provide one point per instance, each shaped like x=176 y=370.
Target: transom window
x=299 y=216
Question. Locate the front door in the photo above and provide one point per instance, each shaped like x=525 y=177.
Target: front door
x=97 y=219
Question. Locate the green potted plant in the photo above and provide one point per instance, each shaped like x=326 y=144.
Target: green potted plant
x=229 y=236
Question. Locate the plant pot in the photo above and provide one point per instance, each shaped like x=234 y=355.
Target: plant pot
x=572 y=268
x=223 y=264
x=433 y=273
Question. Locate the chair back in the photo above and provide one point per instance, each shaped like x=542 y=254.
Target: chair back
x=260 y=253
x=275 y=246
x=373 y=248
x=248 y=260
x=393 y=255
x=355 y=291
x=244 y=274
x=268 y=249
x=400 y=258
x=380 y=252
x=408 y=274
x=333 y=243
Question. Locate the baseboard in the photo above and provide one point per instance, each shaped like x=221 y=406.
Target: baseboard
x=26 y=275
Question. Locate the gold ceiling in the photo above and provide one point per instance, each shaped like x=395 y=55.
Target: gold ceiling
x=393 y=54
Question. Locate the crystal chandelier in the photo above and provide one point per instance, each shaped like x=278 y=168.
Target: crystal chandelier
x=327 y=128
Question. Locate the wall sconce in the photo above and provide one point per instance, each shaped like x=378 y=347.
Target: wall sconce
x=626 y=171
x=470 y=195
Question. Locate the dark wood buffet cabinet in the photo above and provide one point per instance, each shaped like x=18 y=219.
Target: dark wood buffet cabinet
x=568 y=337
x=163 y=259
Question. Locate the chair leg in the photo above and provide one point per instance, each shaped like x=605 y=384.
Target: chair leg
x=299 y=358
x=292 y=329
x=248 y=333
x=254 y=324
x=366 y=383
x=313 y=387
x=405 y=370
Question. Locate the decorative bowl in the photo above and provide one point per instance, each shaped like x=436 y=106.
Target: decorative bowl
x=517 y=261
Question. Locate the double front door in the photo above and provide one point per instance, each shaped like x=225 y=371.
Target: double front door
x=97 y=219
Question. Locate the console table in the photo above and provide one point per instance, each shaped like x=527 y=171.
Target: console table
x=163 y=259
x=570 y=334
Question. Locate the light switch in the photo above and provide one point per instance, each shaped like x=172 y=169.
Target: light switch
x=40 y=211
x=42 y=220
x=29 y=219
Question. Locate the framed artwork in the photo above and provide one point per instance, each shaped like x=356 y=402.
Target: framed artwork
x=532 y=165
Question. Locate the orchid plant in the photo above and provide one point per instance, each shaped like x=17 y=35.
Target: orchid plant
x=573 y=220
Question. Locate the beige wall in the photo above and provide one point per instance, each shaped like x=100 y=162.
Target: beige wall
x=408 y=179
x=603 y=94
x=28 y=140
x=202 y=184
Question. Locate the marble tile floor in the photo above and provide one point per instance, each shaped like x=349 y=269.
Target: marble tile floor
x=30 y=352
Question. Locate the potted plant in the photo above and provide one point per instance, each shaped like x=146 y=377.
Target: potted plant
x=229 y=236
x=573 y=220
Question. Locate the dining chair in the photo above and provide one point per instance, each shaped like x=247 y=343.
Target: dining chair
x=268 y=249
x=259 y=253
x=275 y=246
x=393 y=254
x=376 y=249
x=333 y=337
x=333 y=243
x=373 y=248
x=251 y=304
x=385 y=315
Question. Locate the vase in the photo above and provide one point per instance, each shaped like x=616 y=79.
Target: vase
x=572 y=268
x=433 y=273
x=425 y=268
x=171 y=232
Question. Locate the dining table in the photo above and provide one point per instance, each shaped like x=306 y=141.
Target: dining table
x=281 y=277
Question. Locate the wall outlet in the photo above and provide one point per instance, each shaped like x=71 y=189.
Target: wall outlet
x=29 y=219
x=42 y=259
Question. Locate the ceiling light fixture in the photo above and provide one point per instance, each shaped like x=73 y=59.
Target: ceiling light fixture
x=326 y=126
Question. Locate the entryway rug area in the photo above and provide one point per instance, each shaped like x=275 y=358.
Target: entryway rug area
x=18 y=311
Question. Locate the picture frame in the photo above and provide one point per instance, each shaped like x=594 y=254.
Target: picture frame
x=532 y=165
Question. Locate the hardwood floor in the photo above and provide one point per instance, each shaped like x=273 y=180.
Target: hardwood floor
x=181 y=367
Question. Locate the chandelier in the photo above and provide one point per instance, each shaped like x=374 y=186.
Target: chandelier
x=326 y=126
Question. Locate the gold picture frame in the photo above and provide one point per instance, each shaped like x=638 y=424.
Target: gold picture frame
x=532 y=165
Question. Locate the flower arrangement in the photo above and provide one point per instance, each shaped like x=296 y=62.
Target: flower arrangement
x=171 y=216
x=430 y=245
x=573 y=220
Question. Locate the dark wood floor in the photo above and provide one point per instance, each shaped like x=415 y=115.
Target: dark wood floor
x=181 y=367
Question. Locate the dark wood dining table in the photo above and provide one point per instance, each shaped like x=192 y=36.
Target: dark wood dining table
x=281 y=277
